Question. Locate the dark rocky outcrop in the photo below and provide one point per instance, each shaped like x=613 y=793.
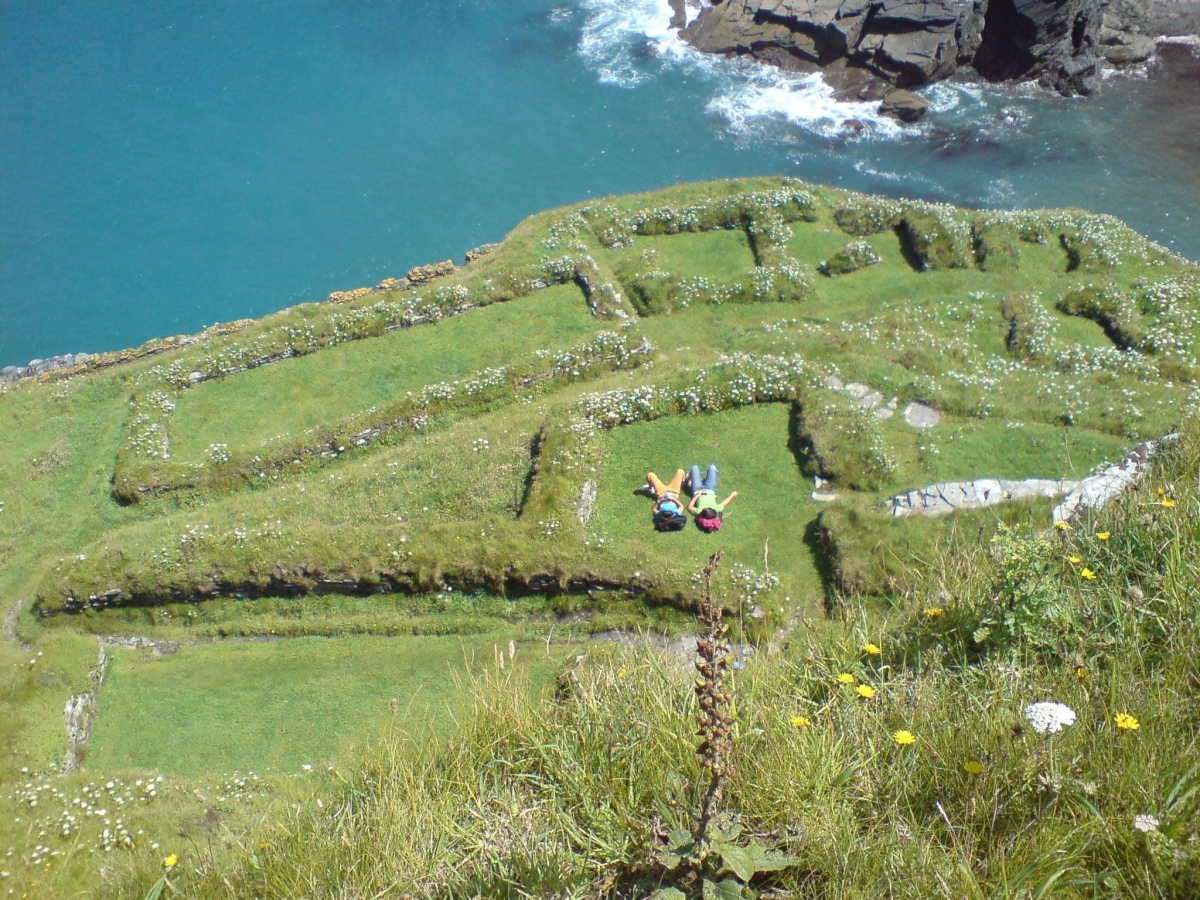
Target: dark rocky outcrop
x=904 y=105
x=913 y=42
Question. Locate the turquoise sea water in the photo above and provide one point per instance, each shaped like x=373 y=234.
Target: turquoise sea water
x=164 y=166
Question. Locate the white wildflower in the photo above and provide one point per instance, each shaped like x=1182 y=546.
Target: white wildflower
x=1049 y=718
x=1145 y=823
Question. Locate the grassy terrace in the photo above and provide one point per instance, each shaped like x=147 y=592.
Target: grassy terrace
x=292 y=397
x=365 y=475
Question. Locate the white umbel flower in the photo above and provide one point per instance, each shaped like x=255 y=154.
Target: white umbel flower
x=1145 y=823
x=1049 y=718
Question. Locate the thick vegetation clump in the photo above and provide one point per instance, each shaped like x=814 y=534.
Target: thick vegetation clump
x=935 y=240
x=854 y=256
x=1110 y=308
x=996 y=247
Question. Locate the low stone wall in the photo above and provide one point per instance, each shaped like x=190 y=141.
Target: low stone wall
x=1097 y=490
x=1090 y=493
x=949 y=496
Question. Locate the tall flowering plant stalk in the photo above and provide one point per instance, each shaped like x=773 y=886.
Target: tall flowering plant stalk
x=717 y=859
x=713 y=658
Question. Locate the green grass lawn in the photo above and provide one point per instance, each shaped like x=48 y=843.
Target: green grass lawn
x=962 y=449
x=289 y=397
x=771 y=515
x=235 y=706
x=721 y=256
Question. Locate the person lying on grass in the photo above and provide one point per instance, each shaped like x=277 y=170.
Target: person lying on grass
x=704 y=505
x=668 y=509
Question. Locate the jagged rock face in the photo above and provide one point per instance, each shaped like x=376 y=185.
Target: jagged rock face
x=1051 y=39
x=912 y=42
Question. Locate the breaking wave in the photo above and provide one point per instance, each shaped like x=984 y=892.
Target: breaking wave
x=630 y=42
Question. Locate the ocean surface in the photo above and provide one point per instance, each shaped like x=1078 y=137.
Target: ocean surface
x=165 y=165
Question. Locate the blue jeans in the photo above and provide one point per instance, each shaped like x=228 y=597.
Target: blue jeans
x=709 y=483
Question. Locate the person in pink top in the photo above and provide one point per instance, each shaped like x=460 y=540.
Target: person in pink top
x=704 y=505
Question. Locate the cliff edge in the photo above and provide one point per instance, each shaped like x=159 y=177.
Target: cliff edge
x=867 y=45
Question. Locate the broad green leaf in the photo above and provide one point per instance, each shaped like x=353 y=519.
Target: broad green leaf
x=679 y=839
x=770 y=860
x=738 y=860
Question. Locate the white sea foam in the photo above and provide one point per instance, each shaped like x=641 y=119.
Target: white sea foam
x=749 y=96
x=754 y=99
x=1187 y=40
x=907 y=180
x=944 y=97
x=616 y=30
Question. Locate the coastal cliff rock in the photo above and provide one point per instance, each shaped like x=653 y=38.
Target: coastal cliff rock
x=912 y=42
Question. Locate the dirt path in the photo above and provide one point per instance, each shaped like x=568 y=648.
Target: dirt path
x=8 y=630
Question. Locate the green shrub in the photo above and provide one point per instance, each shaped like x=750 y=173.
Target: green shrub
x=854 y=256
x=1110 y=308
x=1027 y=607
x=935 y=239
x=1030 y=327
x=841 y=441
x=863 y=216
x=995 y=248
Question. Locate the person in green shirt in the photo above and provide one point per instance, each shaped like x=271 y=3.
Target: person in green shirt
x=704 y=505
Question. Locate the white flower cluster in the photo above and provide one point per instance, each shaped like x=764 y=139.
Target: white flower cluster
x=737 y=380
x=614 y=228
x=605 y=346
x=89 y=819
x=865 y=214
x=146 y=435
x=1079 y=360
x=1068 y=396
x=218 y=453
x=1173 y=306
x=566 y=231
x=1049 y=717
x=1146 y=823
x=752 y=586
x=854 y=256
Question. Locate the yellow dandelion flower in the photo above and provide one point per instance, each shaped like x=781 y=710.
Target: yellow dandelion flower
x=1160 y=491
x=1127 y=722
x=1103 y=535
x=904 y=738
x=799 y=722
x=1074 y=560
x=171 y=861
x=871 y=650
x=1168 y=502
x=973 y=767
x=1087 y=574
x=865 y=691
x=622 y=672
x=933 y=611
x=1081 y=672
x=846 y=678
x=1060 y=525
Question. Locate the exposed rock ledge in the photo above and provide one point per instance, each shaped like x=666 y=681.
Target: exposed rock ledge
x=946 y=497
x=1092 y=492
x=867 y=45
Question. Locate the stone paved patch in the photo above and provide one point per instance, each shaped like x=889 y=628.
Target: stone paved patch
x=918 y=415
